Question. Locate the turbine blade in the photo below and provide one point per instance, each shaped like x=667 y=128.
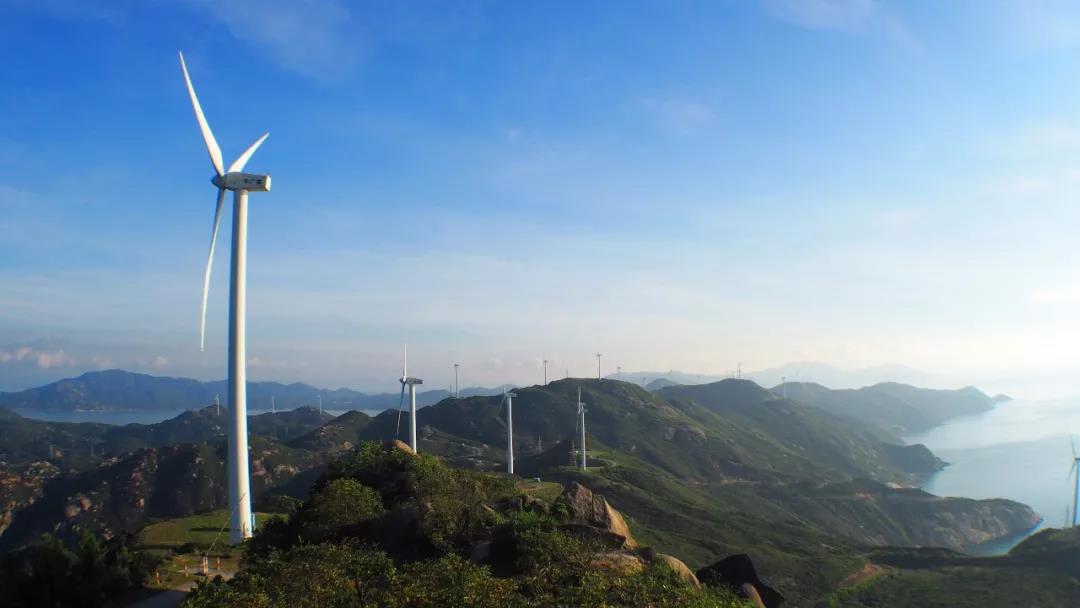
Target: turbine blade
x=238 y=164
x=208 y=135
x=209 y=265
x=1072 y=468
x=405 y=363
x=1072 y=444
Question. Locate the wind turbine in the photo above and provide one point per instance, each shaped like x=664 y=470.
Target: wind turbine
x=240 y=184
x=545 y=372
x=320 y=403
x=508 y=399
x=1074 y=470
x=598 y=376
x=581 y=425
x=411 y=383
x=457 y=393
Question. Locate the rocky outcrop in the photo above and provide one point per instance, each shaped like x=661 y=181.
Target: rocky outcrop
x=958 y=523
x=400 y=445
x=737 y=572
x=591 y=515
x=620 y=561
x=680 y=568
x=20 y=487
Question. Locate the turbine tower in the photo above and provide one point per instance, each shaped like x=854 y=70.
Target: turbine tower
x=411 y=383
x=1075 y=472
x=240 y=184
x=581 y=425
x=545 y=372
x=457 y=392
x=598 y=376
x=508 y=399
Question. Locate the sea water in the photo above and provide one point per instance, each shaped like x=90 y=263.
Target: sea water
x=1020 y=450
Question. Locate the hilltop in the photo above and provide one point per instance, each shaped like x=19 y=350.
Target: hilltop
x=386 y=527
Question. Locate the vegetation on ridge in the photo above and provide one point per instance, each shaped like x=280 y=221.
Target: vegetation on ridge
x=384 y=527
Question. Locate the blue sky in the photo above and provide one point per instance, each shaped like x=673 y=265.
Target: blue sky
x=681 y=185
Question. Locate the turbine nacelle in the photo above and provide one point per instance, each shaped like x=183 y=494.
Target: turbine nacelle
x=252 y=182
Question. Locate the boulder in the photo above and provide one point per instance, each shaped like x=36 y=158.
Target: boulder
x=399 y=445
x=736 y=572
x=619 y=561
x=748 y=591
x=680 y=568
x=589 y=510
x=481 y=553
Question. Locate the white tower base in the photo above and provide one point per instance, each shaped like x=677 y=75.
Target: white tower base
x=239 y=485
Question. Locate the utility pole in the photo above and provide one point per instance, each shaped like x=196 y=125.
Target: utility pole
x=457 y=392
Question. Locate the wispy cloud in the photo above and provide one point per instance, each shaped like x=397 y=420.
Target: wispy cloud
x=311 y=37
x=861 y=17
x=43 y=359
x=679 y=115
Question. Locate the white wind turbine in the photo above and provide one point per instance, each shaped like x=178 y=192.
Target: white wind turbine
x=240 y=184
x=581 y=426
x=1074 y=470
x=407 y=381
x=508 y=399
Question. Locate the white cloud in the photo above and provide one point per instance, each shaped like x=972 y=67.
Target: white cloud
x=863 y=17
x=680 y=116
x=58 y=358
x=311 y=37
x=43 y=359
x=846 y=15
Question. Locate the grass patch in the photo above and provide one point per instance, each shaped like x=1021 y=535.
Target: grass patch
x=198 y=530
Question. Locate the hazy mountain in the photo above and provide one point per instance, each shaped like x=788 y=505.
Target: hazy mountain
x=672 y=376
x=899 y=408
x=837 y=378
x=122 y=390
x=659 y=383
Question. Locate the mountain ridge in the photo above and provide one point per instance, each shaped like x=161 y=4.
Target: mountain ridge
x=117 y=389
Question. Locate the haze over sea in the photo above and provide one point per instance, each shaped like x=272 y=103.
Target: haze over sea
x=1019 y=450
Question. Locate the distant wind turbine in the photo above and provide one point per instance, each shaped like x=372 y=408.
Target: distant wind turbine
x=545 y=372
x=407 y=381
x=240 y=184
x=457 y=393
x=320 y=403
x=1074 y=470
x=508 y=399
x=598 y=376
x=581 y=426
